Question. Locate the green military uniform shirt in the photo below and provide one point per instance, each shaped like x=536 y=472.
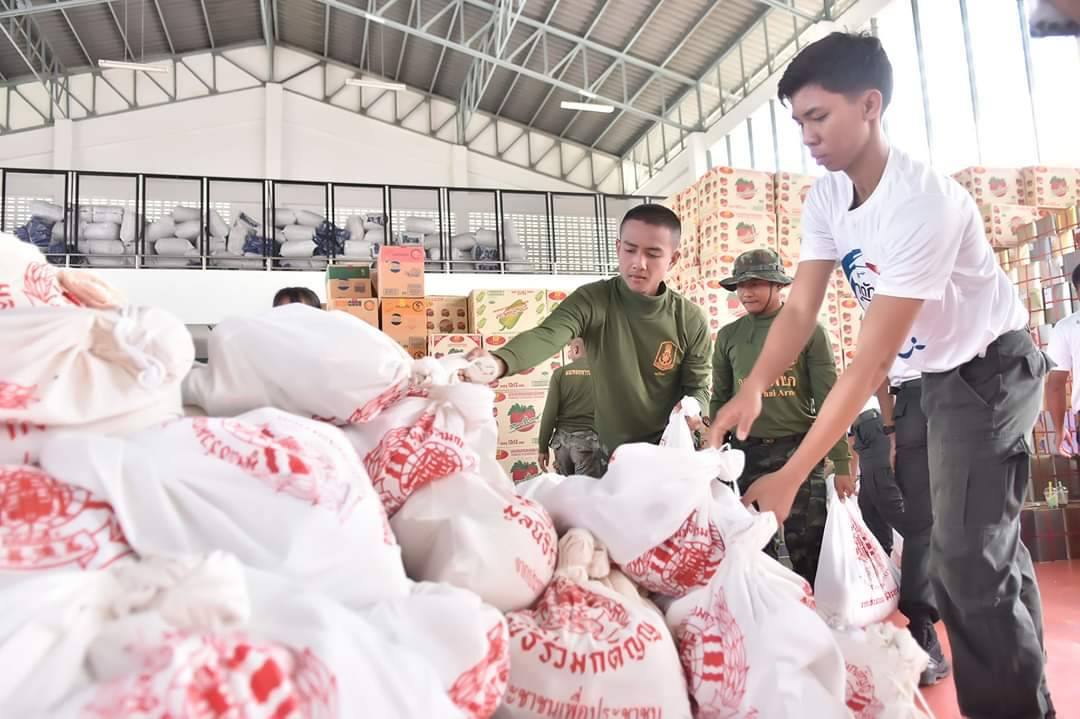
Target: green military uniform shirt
x=646 y=354
x=790 y=405
x=570 y=404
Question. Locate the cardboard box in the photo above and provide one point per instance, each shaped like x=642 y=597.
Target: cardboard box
x=732 y=233
x=520 y=463
x=993 y=184
x=554 y=299
x=538 y=377
x=1051 y=186
x=1002 y=221
x=726 y=188
x=790 y=191
x=406 y=322
x=789 y=233
x=400 y=272
x=367 y=310
x=506 y=311
x=348 y=281
x=518 y=414
x=721 y=306
x=441 y=345
x=851 y=315
x=446 y=315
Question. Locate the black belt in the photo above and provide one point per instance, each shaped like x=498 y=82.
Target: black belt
x=910 y=384
x=867 y=415
x=769 y=441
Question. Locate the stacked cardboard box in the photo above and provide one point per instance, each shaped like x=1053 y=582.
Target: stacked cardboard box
x=348 y=289
x=1001 y=222
x=1051 y=186
x=993 y=184
x=399 y=280
x=446 y=315
x=443 y=345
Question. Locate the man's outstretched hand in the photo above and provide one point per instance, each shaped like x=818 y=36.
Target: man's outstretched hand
x=737 y=415
x=773 y=493
x=475 y=373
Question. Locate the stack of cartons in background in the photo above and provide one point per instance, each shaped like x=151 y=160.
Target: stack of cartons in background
x=348 y=288
x=399 y=279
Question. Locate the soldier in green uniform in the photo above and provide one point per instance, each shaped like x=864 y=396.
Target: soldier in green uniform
x=648 y=345
x=567 y=424
x=788 y=407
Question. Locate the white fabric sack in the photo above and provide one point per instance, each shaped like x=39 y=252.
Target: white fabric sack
x=59 y=232
x=464 y=242
x=677 y=433
x=432 y=241
x=284 y=217
x=165 y=227
x=188 y=230
x=237 y=237
x=100 y=231
x=592 y=641
x=52 y=526
x=272 y=488
x=28 y=280
x=359 y=249
x=355 y=225
x=856 y=585
x=299 y=233
x=883 y=665
x=47 y=210
x=375 y=221
x=217 y=244
x=110 y=214
x=20 y=442
x=376 y=236
x=298 y=248
x=70 y=366
x=127 y=228
x=253 y=362
x=434 y=254
x=172 y=246
x=462 y=260
x=181 y=214
x=487 y=238
x=101 y=247
x=309 y=218
x=422 y=225
x=751 y=645
x=218 y=228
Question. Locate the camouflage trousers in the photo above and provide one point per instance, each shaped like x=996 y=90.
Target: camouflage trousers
x=805 y=525
x=578 y=453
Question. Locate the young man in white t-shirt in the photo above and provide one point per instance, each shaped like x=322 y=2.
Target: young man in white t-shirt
x=1064 y=352
x=911 y=242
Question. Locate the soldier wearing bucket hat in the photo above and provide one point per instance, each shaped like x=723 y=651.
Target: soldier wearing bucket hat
x=788 y=407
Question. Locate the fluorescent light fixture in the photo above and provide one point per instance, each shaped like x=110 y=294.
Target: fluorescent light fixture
x=370 y=82
x=590 y=95
x=137 y=66
x=375 y=18
x=587 y=107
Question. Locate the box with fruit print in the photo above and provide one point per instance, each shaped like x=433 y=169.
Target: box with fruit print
x=733 y=233
x=509 y=311
x=993 y=184
x=725 y=188
x=789 y=233
x=520 y=463
x=1051 y=186
x=538 y=377
x=446 y=315
x=721 y=307
x=517 y=414
x=440 y=346
x=1002 y=221
x=850 y=318
x=791 y=191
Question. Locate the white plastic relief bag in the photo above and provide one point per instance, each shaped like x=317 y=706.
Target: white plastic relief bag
x=281 y=492
x=883 y=665
x=856 y=583
x=677 y=433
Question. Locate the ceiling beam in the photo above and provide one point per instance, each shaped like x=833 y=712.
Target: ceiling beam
x=50 y=7
x=206 y=19
x=165 y=27
x=788 y=8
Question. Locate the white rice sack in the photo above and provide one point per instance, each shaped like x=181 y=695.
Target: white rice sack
x=217 y=244
x=309 y=218
x=299 y=248
x=46 y=210
x=102 y=247
x=30 y=281
x=510 y=233
x=464 y=242
x=434 y=254
x=487 y=238
x=175 y=246
x=127 y=228
x=432 y=241
x=359 y=249
x=188 y=230
x=375 y=221
x=218 y=228
x=59 y=232
x=237 y=237
x=100 y=231
x=883 y=666
x=299 y=233
x=355 y=225
x=463 y=260
x=109 y=214
x=283 y=217
x=375 y=237
x=164 y=227
x=186 y=214
x=422 y=225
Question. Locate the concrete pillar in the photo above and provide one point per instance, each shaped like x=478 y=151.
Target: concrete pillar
x=275 y=111
x=697 y=154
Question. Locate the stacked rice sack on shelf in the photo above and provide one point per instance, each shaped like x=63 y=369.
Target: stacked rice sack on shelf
x=305 y=239
x=479 y=251
x=46 y=227
x=366 y=234
x=106 y=236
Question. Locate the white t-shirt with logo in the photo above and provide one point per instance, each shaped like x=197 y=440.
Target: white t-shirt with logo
x=902 y=372
x=918 y=236
x=1064 y=352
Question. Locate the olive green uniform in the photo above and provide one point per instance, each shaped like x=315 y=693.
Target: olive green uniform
x=567 y=424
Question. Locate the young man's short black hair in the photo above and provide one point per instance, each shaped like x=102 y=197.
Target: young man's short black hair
x=301 y=295
x=1076 y=277
x=657 y=216
x=844 y=63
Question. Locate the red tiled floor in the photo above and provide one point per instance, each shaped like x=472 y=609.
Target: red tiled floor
x=1059 y=583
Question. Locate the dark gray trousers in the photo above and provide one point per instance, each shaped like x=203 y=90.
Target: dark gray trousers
x=980 y=419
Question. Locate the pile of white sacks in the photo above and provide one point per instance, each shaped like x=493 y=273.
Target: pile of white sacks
x=301 y=549
x=173 y=239
x=479 y=251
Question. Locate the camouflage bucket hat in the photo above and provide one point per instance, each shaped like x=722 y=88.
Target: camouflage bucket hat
x=756 y=265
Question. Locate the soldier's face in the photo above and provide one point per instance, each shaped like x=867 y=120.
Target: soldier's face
x=646 y=252
x=758 y=296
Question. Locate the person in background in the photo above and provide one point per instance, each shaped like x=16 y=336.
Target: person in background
x=648 y=345
x=787 y=410
x=567 y=424
x=302 y=295
x=912 y=245
x=1064 y=351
